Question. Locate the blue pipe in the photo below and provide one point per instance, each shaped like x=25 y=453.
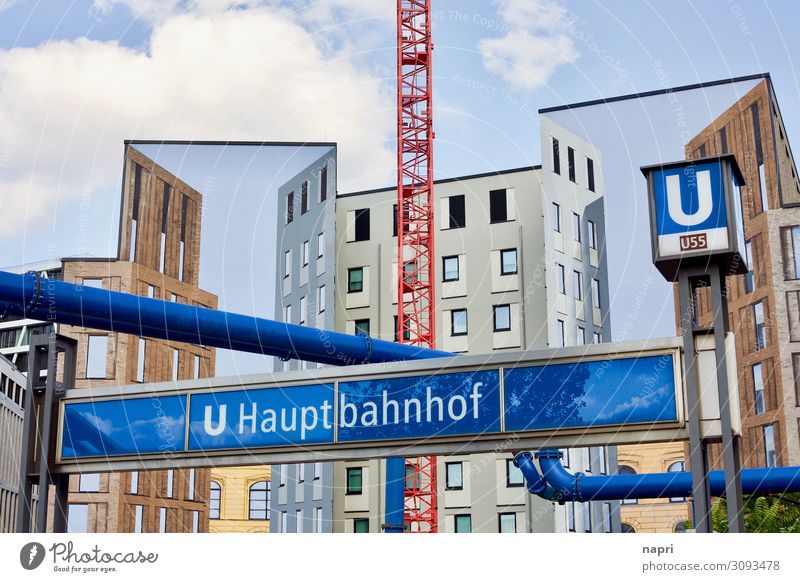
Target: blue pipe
x=60 y=302
x=561 y=485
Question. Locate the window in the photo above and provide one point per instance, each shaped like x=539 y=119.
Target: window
x=162 y=520
x=214 y=500
x=301 y=472
x=562 y=279
x=498 y=209
x=454 y=476
x=596 y=293
x=304 y=197
x=317 y=471
x=601 y=456
x=758 y=315
x=606 y=518
x=457 y=211
x=320 y=245
x=627 y=528
x=289 y=207
x=790 y=239
x=89 y=483
x=587 y=516
x=676 y=467
x=77 y=518
x=134 y=482
x=450 y=268
x=458 y=322
x=406 y=332
x=304 y=253
x=502 y=317
x=749 y=279
x=597 y=338
x=587 y=459
x=170 y=483
x=463 y=523
x=576 y=227
x=361 y=525
x=758 y=388
x=196 y=367
x=592 y=234
x=96 y=353
x=195 y=521
x=182 y=246
x=190 y=492
x=137 y=519
x=396 y=218
x=323 y=184
x=571 y=163
x=577 y=284
x=580 y=336
x=355 y=477
x=769 y=446
x=723 y=140
x=362 y=225
x=287 y=314
x=556 y=156
x=140 y=359
x=590 y=173
x=571 y=515
x=508 y=262
x=361 y=326
x=287 y=264
x=298 y=521
x=355 y=280
x=555 y=216
x=137 y=188
x=507 y=523
x=284 y=521
x=411 y=477
x=282 y=475
x=318 y=519
x=627 y=470
x=560 y=333
x=259 y=500
x=303 y=309
x=701 y=151
x=565 y=457
x=175 y=364
x=321 y=298
x=514 y=476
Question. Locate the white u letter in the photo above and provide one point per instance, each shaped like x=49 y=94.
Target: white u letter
x=214 y=431
x=705 y=204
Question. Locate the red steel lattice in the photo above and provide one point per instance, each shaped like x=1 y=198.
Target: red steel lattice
x=415 y=252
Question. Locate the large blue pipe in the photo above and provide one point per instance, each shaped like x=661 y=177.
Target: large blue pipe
x=60 y=302
x=555 y=483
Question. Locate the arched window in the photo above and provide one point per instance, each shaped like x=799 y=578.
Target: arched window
x=628 y=528
x=677 y=467
x=627 y=470
x=680 y=527
x=214 y=500
x=259 y=500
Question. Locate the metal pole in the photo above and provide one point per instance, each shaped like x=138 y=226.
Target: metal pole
x=730 y=441
x=701 y=495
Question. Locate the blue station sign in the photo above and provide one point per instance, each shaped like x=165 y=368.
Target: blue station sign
x=442 y=405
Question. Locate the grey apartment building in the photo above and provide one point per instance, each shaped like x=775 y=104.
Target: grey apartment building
x=520 y=264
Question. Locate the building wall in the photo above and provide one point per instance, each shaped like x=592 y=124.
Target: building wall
x=234 y=511
x=12 y=401
x=776 y=281
x=304 y=281
x=654 y=515
x=158 y=257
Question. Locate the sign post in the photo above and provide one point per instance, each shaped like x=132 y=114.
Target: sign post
x=697 y=240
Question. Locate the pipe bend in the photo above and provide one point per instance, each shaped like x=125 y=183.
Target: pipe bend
x=566 y=484
x=534 y=481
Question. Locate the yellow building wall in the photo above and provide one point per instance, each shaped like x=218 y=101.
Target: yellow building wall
x=653 y=515
x=234 y=511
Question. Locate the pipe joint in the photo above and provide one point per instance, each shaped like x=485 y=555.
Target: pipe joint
x=34 y=301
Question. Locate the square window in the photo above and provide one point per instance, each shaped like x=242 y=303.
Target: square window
x=355 y=477
x=361 y=326
x=514 y=476
x=89 y=483
x=458 y=322
x=463 y=523
x=355 y=280
x=502 y=317
x=361 y=525
x=454 y=476
x=507 y=522
x=450 y=268
x=508 y=262
x=96 y=354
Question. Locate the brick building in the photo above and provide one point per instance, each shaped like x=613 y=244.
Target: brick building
x=764 y=304
x=159 y=246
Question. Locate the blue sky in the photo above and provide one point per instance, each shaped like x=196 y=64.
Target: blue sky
x=77 y=78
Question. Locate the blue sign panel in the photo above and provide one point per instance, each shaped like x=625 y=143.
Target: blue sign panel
x=691 y=214
x=265 y=417
x=466 y=403
x=124 y=427
x=594 y=393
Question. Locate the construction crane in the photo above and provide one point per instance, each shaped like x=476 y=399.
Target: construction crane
x=416 y=302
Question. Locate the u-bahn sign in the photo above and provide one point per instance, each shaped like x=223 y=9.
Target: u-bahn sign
x=695 y=212
x=587 y=395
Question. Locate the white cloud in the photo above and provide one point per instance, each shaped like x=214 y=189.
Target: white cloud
x=536 y=42
x=6 y=4
x=256 y=74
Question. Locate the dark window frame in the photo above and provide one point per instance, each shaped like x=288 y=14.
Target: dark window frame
x=452 y=322
x=447 y=486
x=502 y=263
x=494 y=317
x=556 y=156
x=571 y=164
x=495 y=206
x=349 y=490
x=509 y=470
x=350 y=272
x=590 y=174
x=445 y=279
x=456 y=517
x=453 y=221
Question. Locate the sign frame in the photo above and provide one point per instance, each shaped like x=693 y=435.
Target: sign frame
x=597 y=435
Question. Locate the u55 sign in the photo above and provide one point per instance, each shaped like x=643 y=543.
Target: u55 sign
x=601 y=394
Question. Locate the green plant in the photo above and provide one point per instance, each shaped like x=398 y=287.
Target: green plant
x=762 y=514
